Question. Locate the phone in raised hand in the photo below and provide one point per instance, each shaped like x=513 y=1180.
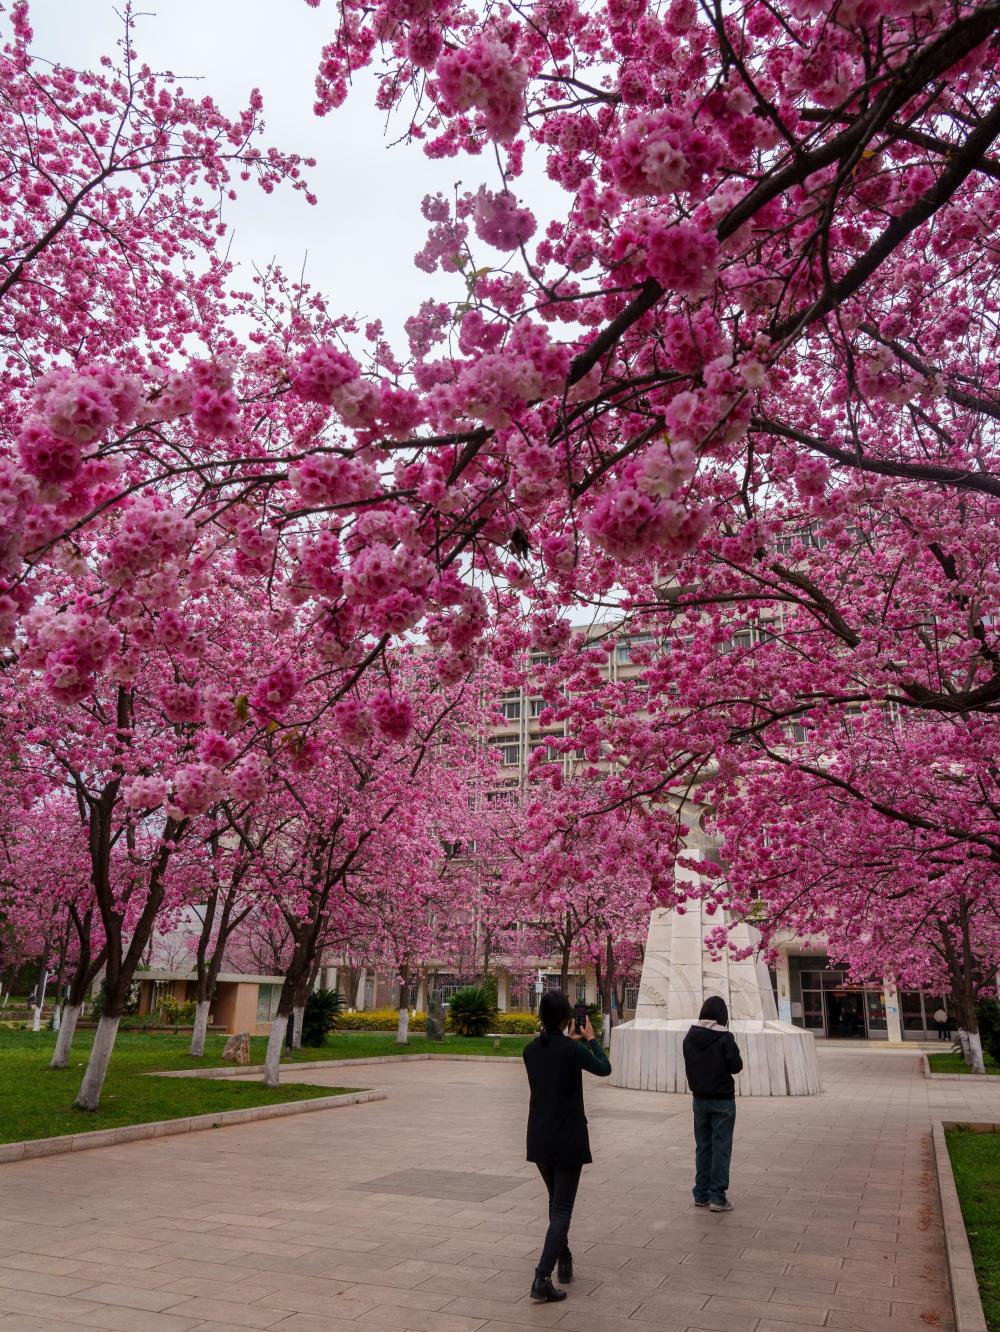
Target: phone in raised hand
x=580 y=1017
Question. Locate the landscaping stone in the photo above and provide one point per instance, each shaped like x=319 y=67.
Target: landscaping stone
x=237 y=1048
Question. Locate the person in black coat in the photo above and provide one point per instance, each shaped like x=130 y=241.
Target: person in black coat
x=558 y=1142
x=711 y=1058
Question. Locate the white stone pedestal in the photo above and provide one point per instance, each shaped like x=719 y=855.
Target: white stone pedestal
x=678 y=975
x=778 y=1058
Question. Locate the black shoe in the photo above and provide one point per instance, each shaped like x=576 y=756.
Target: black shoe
x=543 y=1291
x=564 y=1269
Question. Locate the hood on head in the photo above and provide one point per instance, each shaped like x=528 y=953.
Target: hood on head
x=703 y=1034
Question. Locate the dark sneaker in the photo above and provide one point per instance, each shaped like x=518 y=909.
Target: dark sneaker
x=724 y=1206
x=543 y=1291
x=701 y=1202
x=564 y=1268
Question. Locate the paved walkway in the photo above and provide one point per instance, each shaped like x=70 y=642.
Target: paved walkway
x=293 y=1224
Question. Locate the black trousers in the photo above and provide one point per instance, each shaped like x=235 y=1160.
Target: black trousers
x=562 y=1183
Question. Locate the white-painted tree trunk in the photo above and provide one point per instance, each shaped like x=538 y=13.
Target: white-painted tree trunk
x=200 y=1027
x=272 y=1060
x=57 y=1017
x=36 y=1021
x=64 y=1041
x=298 y=1017
x=89 y=1097
x=976 y=1052
x=403 y=1030
x=963 y=1040
x=606 y=1030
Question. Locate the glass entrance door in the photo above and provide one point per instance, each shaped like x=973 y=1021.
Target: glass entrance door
x=845 y=1014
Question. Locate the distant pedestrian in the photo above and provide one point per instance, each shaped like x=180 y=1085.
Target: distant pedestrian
x=943 y=1023
x=558 y=1142
x=711 y=1057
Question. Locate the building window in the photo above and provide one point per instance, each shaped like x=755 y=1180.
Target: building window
x=506 y=795
x=267 y=1002
x=536 y=706
x=445 y=985
x=626 y=646
x=510 y=706
x=509 y=747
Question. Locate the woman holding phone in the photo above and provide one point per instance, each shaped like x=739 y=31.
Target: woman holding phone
x=558 y=1142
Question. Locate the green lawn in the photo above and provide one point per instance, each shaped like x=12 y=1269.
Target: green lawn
x=954 y=1063
x=975 y=1160
x=38 y=1103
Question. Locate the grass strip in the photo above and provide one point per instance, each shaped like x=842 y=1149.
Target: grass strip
x=975 y=1162
x=954 y=1063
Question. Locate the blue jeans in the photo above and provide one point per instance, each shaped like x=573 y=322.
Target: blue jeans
x=713 y=1141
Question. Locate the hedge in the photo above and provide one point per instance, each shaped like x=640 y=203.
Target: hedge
x=515 y=1024
x=387 y=1019
x=377 y=1019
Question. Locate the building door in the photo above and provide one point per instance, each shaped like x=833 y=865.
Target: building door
x=845 y=1014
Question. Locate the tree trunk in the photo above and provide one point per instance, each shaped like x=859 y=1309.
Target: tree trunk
x=298 y=1016
x=403 y=1030
x=64 y=1041
x=272 y=1060
x=89 y=1097
x=976 y=1052
x=608 y=991
x=963 y=1039
x=200 y=1028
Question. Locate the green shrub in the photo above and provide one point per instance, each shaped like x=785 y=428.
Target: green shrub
x=379 y=1019
x=176 y=1014
x=471 y=1011
x=129 y=1007
x=321 y=1016
x=515 y=1024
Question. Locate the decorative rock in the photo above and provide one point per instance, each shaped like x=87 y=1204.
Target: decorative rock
x=237 y=1048
x=435 y=1019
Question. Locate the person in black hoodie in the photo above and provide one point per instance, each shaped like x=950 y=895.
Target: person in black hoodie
x=558 y=1142
x=711 y=1057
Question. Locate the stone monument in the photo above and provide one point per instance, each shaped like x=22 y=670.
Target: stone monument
x=678 y=975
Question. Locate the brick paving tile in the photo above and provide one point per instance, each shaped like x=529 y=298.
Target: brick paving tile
x=240 y=1315
x=261 y=1225
x=477 y=1306
x=389 y=1318
x=584 y=1321
x=308 y=1302
x=111 y=1318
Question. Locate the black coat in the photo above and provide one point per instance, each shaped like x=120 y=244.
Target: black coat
x=711 y=1057
x=557 y=1125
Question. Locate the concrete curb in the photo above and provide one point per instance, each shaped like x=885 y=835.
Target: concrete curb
x=165 y=1128
x=959 y=1077
x=969 y=1316
x=251 y=1070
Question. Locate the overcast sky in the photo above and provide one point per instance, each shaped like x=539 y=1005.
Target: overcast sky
x=361 y=237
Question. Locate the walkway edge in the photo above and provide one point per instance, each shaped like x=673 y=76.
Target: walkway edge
x=969 y=1316
x=165 y=1128
x=251 y=1070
